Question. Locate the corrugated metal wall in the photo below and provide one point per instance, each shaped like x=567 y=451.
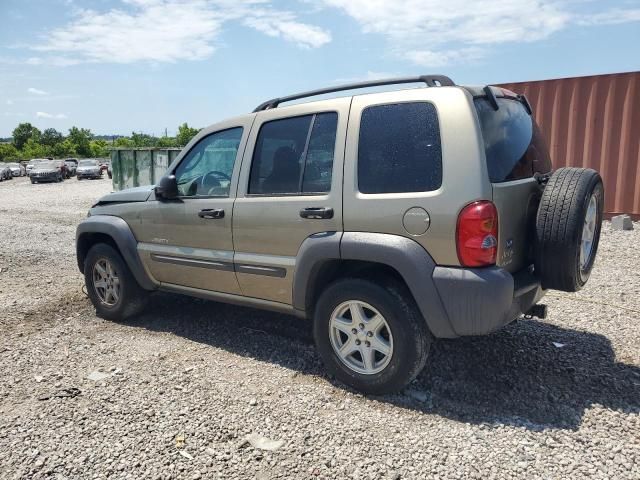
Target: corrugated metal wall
x=133 y=167
x=593 y=122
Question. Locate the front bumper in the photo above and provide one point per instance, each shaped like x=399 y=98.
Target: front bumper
x=48 y=177
x=88 y=175
x=479 y=301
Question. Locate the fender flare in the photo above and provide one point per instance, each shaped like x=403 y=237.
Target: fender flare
x=407 y=257
x=118 y=230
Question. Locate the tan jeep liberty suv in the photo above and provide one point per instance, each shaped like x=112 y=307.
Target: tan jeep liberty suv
x=388 y=218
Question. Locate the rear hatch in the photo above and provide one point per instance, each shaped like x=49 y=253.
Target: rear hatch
x=515 y=153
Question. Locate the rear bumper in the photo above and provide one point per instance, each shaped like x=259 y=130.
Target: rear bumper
x=478 y=301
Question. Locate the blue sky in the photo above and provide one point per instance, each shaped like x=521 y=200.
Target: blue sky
x=115 y=66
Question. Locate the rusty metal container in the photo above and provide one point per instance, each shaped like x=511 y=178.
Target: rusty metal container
x=593 y=122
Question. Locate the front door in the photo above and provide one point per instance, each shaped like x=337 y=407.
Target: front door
x=290 y=188
x=188 y=241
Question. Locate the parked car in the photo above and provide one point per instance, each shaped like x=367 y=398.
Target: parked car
x=72 y=165
x=32 y=163
x=388 y=218
x=62 y=165
x=5 y=172
x=104 y=164
x=47 y=171
x=88 y=168
x=17 y=170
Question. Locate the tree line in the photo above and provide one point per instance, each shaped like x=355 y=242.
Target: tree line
x=29 y=142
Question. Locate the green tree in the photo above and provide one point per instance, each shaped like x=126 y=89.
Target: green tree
x=65 y=148
x=33 y=149
x=185 y=134
x=143 y=140
x=99 y=148
x=24 y=132
x=166 y=142
x=123 y=142
x=51 y=137
x=8 y=152
x=81 y=139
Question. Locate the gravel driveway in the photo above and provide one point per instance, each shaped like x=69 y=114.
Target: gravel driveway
x=176 y=392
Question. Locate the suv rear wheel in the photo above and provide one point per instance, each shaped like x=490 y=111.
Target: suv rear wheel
x=371 y=336
x=111 y=286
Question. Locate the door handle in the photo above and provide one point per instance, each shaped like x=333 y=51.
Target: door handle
x=317 y=213
x=211 y=213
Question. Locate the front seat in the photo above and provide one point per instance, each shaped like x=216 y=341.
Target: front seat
x=285 y=174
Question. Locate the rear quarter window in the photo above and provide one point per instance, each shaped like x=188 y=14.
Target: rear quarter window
x=514 y=146
x=399 y=149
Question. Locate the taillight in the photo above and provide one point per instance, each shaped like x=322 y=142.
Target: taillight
x=477 y=234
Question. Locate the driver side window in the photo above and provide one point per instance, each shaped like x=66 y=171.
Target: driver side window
x=206 y=170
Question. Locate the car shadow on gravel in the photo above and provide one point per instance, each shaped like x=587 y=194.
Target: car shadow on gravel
x=516 y=376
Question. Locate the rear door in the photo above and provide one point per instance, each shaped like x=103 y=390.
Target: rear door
x=290 y=188
x=411 y=164
x=515 y=150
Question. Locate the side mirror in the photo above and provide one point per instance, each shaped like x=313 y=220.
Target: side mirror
x=167 y=188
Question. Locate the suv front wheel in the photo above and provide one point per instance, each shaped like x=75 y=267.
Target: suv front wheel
x=111 y=286
x=371 y=336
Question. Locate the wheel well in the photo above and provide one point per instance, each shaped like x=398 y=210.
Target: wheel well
x=333 y=270
x=88 y=240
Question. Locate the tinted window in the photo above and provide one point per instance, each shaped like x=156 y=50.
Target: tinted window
x=514 y=146
x=294 y=155
x=399 y=149
x=207 y=169
x=319 y=161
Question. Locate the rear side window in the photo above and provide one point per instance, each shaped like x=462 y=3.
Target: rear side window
x=514 y=146
x=399 y=149
x=294 y=155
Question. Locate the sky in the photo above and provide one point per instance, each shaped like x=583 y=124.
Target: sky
x=117 y=66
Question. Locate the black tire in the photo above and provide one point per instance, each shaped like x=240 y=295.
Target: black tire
x=33 y=181
x=411 y=337
x=559 y=227
x=132 y=297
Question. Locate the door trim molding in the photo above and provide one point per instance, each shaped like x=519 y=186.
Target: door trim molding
x=192 y=262
x=265 y=270
x=261 y=270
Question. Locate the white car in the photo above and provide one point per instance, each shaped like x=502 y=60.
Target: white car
x=89 y=168
x=17 y=170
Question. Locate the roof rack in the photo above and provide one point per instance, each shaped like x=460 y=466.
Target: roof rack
x=429 y=80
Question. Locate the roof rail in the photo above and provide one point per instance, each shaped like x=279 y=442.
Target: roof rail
x=429 y=80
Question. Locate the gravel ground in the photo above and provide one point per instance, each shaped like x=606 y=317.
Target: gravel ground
x=176 y=392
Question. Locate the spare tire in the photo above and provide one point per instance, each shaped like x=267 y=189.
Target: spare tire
x=568 y=227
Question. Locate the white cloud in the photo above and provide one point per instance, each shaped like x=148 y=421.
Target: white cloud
x=435 y=33
x=283 y=24
x=369 y=75
x=166 y=31
x=36 y=91
x=430 y=58
x=52 y=60
x=56 y=116
x=9 y=101
x=611 y=17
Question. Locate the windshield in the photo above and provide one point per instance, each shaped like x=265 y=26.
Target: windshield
x=47 y=165
x=13 y=165
x=88 y=163
x=513 y=142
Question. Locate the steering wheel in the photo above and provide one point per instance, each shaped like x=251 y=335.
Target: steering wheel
x=217 y=176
